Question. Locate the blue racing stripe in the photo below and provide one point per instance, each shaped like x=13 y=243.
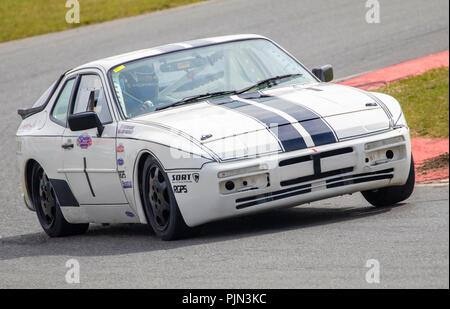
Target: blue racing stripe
x=321 y=133
x=289 y=137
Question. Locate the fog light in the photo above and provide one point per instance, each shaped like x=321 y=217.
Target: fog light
x=245 y=183
x=229 y=185
x=389 y=154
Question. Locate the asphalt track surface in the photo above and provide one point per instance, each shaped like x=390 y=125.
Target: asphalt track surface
x=323 y=244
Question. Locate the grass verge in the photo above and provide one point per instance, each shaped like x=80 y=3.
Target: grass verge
x=424 y=99
x=23 y=18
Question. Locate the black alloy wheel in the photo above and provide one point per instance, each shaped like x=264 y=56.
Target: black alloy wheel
x=47 y=207
x=46 y=200
x=160 y=206
x=159 y=197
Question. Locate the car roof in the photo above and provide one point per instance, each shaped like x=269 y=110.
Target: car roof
x=111 y=62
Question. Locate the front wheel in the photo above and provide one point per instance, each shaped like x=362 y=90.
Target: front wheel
x=47 y=207
x=160 y=206
x=392 y=195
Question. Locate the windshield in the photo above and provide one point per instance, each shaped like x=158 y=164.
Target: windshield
x=146 y=85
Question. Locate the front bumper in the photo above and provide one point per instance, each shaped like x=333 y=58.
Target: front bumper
x=298 y=177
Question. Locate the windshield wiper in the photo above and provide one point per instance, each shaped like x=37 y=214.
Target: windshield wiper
x=228 y=92
x=196 y=98
x=268 y=81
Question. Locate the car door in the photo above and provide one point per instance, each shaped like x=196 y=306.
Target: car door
x=89 y=158
x=49 y=144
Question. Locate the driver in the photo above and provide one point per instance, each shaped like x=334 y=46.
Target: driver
x=140 y=87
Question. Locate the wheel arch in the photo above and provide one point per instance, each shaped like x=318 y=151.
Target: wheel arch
x=27 y=175
x=167 y=165
x=138 y=170
x=140 y=165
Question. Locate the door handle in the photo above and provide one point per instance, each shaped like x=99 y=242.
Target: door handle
x=67 y=145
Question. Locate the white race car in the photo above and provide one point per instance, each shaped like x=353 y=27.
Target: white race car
x=187 y=133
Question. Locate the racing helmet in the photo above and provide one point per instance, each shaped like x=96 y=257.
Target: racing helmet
x=142 y=83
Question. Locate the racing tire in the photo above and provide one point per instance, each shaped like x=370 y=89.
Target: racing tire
x=160 y=206
x=48 y=209
x=392 y=195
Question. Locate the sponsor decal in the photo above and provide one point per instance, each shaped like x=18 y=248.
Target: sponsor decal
x=183 y=65
x=181 y=178
x=185 y=178
x=122 y=174
x=127 y=184
x=205 y=137
x=196 y=177
x=119 y=68
x=180 y=189
x=126 y=129
x=120 y=148
x=120 y=162
x=129 y=214
x=84 y=141
x=371 y=104
x=26 y=127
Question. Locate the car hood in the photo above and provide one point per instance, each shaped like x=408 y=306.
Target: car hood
x=281 y=119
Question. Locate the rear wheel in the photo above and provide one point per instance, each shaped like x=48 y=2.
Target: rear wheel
x=160 y=206
x=47 y=207
x=392 y=195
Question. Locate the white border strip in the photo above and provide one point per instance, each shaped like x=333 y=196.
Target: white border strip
x=307 y=138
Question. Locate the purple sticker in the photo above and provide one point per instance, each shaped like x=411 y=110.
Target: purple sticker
x=84 y=141
x=120 y=161
x=129 y=214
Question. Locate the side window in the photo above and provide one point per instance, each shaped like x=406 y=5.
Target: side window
x=59 y=112
x=91 y=97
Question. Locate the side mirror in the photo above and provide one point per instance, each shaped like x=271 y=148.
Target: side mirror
x=84 y=121
x=324 y=73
